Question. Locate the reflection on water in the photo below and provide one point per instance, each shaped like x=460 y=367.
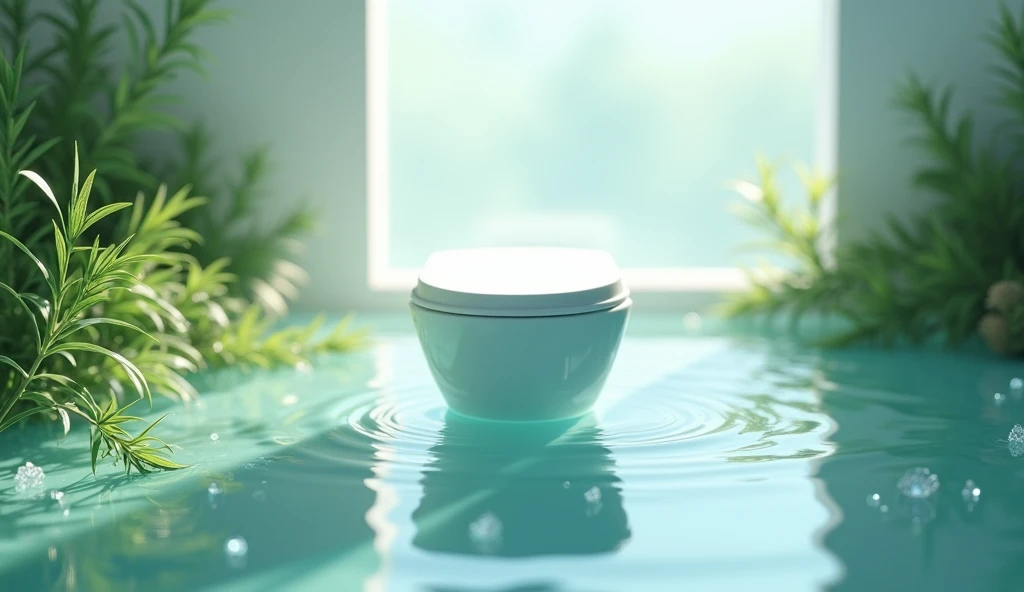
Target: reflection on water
x=710 y=463
x=512 y=491
x=934 y=410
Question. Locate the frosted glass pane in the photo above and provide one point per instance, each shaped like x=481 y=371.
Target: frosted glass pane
x=608 y=124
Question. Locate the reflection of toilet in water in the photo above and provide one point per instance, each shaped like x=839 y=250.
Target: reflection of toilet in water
x=517 y=490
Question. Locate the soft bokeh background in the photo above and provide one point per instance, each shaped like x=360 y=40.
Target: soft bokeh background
x=301 y=87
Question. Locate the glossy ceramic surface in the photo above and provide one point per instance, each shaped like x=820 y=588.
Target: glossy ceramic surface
x=520 y=368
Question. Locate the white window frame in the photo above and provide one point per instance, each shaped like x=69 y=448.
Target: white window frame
x=382 y=277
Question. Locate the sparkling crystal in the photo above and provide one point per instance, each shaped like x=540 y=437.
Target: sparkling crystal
x=485 y=532
x=1016 y=447
x=29 y=477
x=918 y=483
x=58 y=496
x=1016 y=434
x=592 y=495
x=214 y=437
x=874 y=500
x=999 y=398
x=236 y=548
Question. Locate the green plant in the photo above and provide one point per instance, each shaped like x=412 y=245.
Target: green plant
x=177 y=306
x=928 y=277
x=84 y=277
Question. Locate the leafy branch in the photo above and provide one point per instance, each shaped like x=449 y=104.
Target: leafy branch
x=934 y=276
x=84 y=277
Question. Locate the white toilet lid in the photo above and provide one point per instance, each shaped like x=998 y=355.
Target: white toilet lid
x=520 y=282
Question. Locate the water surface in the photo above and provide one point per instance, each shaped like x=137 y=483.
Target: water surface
x=713 y=461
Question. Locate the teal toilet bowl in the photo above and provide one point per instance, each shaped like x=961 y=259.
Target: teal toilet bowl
x=520 y=334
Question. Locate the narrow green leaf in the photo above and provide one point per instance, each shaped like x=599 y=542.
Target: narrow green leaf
x=35 y=178
x=13 y=364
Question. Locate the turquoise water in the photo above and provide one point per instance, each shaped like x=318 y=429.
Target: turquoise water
x=713 y=462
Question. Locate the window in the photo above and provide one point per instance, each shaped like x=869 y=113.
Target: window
x=612 y=124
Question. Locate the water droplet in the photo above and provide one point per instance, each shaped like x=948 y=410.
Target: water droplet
x=214 y=437
x=29 y=477
x=999 y=398
x=565 y=485
x=918 y=483
x=236 y=548
x=214 y=489
x=971 y=494
x=1017 y=387
x=57 y=496
x=874 y=500
x=67 y=512
x=485 y=533
x=259 y=495
x=692 y=322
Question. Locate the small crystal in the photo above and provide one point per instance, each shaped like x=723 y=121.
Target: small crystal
x=29 y=477
x=1017 y=434
x=485 y=532
x=918 y=483
x=1016 y=447
x=971 y=492
x=874 y=500
x=214 y=437
x=236 y=547
x=999 y=398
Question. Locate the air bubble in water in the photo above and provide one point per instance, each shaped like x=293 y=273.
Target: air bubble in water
x=971 y=490
x=214 y=489
x=874 y=500
x=918 y=483
x=236 y=549
x=29 y=477
x=214 y=437
x=999 y=398
x=1017 y=388
x=566 y=485
x=485 y=533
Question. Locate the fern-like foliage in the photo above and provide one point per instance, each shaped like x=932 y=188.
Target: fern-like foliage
x=262 y=256
x=164 y=299
x=928 y=277
x=85 y=276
